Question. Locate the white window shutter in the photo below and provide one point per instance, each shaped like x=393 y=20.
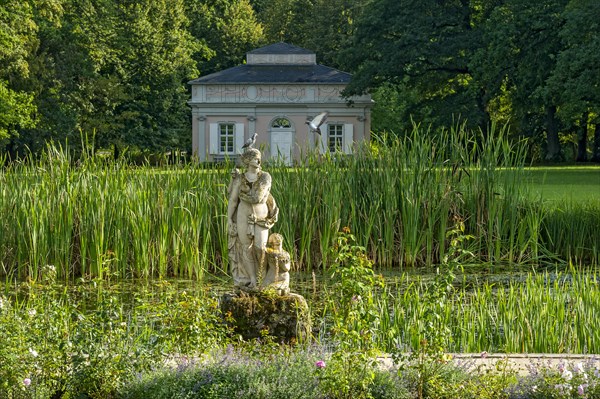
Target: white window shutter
x=348 y=138
x=239 y=137
x=324 y=144
x=213 y=144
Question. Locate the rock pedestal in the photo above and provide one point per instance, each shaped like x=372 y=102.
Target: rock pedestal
x=258 y=313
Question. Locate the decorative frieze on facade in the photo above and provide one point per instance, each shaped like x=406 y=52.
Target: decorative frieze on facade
x=268 y=94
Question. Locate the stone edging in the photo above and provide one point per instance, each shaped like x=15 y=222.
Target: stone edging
x=519 y=362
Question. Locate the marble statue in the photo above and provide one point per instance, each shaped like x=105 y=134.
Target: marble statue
x=277 y=274
x=251 y=212
x=258 y=263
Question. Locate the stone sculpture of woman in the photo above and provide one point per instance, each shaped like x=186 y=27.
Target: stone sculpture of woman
x=251 y=212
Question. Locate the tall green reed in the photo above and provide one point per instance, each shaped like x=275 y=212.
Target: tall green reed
x=547 y=313
x=571 y=228
x=107 y=219
x=398 y=195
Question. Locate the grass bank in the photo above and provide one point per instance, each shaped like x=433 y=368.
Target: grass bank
x=578 y=184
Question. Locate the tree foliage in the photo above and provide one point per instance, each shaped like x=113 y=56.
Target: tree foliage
x=522 y=44
x=117 y=70
x=575 y=80
x=227 y=28
x=17 y=41
x=425 y=47
x=136 y=55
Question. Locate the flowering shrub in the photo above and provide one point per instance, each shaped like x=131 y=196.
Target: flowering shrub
x=52 y=346
x=236 y=374
x=579 y=380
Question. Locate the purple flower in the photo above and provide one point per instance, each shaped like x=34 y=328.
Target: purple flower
x=320 y=364
x=562 y=388
x=27 y=382
x=581 y=389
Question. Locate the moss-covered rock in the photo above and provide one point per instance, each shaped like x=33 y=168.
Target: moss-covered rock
x=258 y=313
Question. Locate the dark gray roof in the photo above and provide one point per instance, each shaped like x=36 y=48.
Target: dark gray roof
x=281 y=48
x=275 y=74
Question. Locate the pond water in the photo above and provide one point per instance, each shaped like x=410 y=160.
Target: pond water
x=496 y=310
x=307 y=284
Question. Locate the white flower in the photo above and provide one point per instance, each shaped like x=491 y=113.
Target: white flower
x=33 y=352
x=32 y=312
x=567 y=375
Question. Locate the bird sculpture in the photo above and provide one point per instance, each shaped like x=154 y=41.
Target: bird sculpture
x=250 y=142
x=315 y=124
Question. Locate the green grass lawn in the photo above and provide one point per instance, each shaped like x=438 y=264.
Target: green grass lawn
x=556 y=183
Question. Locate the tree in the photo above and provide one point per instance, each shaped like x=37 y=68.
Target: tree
x=17 y=41
x=521 y=46
x=575 y=82
x=61 y=72
x=425 y=47
x=286 y=20
x=226 y=28
x=114 y=70
x=138 y=57
x=328 y=27
x=155 y=61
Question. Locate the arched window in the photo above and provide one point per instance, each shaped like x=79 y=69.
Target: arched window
x=281 y=123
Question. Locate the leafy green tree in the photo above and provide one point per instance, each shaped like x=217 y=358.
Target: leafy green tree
x=324 y=26
x=155 y=60
x=114 y=70
x=328 y=28
x=60 y=78
x=137 y=56
x=521 y=46
x=17 y=40
x=425 y=47
x=227 y=29
x=286 y=20
x=575 y=81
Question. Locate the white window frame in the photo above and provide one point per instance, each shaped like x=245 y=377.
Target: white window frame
x=226 y=138
x=335 y=137
x=236 y=138
x=346 y=134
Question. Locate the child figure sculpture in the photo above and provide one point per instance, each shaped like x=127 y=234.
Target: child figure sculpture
x=278 y=264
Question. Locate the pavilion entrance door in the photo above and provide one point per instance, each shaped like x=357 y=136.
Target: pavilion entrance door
x=282 y=144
